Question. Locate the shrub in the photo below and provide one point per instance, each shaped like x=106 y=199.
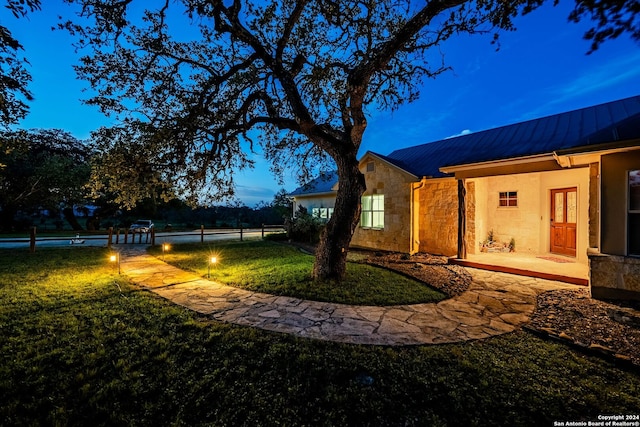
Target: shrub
x=304 y=227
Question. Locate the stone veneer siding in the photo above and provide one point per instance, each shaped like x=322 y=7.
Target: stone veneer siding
x=471 y=218
x=439 y=217
x=614 y=276
x=396 y=187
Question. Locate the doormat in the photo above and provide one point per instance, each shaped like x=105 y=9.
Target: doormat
x=556 y=259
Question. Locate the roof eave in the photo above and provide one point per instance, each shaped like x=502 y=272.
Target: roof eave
x=324 y=193
x=497 y=163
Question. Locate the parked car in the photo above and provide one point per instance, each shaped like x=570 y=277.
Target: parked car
x=141 y=226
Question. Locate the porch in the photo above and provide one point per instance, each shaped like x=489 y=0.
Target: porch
x=544 y=266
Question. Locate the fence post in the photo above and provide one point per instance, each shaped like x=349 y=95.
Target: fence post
x=241 y=232
x=126 y=235
x=117 y=235
x=201 y=233
x=32 y=240
x=153 y=236
x=263 y=231
x=110 y=237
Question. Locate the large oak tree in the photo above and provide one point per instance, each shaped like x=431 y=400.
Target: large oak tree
x=207 y=81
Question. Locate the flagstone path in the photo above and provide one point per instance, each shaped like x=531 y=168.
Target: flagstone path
x=496 y=303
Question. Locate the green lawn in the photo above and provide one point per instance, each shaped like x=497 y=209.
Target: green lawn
x=264 y=266
x=81 y=346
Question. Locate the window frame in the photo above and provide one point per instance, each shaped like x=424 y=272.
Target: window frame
x=509 y=196
x=372 y=212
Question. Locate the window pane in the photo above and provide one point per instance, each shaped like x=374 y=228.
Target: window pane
x=559 y=213
x=572 y=205
x=366 y=203
x=634 y=190
x=365 y=219
x=378 y=220
x=378 y=202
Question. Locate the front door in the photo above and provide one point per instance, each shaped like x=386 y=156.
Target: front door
x=564 y=215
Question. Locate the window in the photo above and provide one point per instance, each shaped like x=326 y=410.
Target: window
x=633 y=222
x=372 y=215
x=323 y=213
x=508 y=199
x=371 y=167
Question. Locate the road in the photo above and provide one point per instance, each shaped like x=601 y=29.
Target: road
x=162 y=237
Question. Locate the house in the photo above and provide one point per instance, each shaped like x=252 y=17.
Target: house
x=565 y=186
x=317 y=197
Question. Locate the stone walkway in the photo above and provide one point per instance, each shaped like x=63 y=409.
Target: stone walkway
x=496 y=303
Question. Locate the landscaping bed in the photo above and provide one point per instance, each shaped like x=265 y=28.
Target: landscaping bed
x=576 y=318
x=430 y=269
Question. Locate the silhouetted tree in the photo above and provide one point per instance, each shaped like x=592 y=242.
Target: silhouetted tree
x=211 y=78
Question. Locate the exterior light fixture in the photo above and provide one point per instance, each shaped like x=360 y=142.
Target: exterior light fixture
x=115 y=258
x=165 y=248
x=212 y=261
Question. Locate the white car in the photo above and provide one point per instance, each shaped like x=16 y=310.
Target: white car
x=141 y=226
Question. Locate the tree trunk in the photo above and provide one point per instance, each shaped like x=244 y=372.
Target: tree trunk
x=71 y=219
x=331 y=254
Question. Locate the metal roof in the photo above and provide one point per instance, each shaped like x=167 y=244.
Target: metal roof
x=323 y=184
x=609 y=122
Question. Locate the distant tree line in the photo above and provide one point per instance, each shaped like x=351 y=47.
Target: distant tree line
x=45 y=181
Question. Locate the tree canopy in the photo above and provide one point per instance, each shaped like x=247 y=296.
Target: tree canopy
x=41 y=169
x=14 y=77
x=212 y=80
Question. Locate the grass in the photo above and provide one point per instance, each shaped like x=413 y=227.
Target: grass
x=81 y=346
x=269 y=267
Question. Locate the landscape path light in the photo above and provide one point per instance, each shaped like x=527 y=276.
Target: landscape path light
x=212 y=261
x=115 y=258
x=165 y=248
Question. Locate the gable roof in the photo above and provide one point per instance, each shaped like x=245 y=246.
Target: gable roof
x=609 y=122
x=322 y=184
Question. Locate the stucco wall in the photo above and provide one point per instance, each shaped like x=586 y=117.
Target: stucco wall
x=396 y=187
x=438 y=216
x=529 y=222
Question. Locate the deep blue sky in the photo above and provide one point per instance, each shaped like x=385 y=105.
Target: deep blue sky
x=540 y=69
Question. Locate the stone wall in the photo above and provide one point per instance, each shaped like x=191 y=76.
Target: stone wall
x=472 y=248
x=438 y=232
x=614 y=277
x=396 y=187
